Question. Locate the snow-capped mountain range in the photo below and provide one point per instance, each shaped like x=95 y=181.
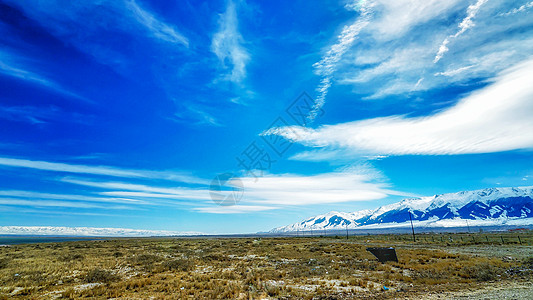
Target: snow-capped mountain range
x=487 y=207
x=86 y=231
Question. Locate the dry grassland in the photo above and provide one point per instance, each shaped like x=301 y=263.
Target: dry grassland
x=248 y=268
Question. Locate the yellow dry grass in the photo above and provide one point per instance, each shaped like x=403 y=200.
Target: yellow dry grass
x=247 y=268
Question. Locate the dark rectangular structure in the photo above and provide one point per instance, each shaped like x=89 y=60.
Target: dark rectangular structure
x=384 y=254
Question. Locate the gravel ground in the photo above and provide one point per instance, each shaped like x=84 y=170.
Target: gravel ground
x=518 y=291
x=517 y=252
x=514 y=251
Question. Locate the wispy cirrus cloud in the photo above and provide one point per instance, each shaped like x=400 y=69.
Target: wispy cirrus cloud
x=519 y=9
x=494 y=119
x=88 y=26
x=400 y=63
x=138 y=188
x=380 y=21
x=273 y=191
x=99 y=170
x=24 y=114
x=103 y=195
x=150 y=191
x=192 y=114
x=227 y=44
x=199 y=200
x=155 y=27
x=234 y=209
x=51 y=196
x=399 y=17
x=18 y=67
x=38 y=115
x=56 y=203
x=465 y=24
x=328 y=64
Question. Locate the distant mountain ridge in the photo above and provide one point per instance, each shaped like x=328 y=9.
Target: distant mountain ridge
x=86 y=231
x=492 y=206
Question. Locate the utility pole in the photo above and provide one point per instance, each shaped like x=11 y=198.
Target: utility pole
x=412 y=228
x=346 y=230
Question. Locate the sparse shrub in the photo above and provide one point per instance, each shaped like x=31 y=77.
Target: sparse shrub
x=99 y=275
x=4 y=262
x=145 y=260
x=484 y=272
x=178 y=265
x=37 y=277
x=96 y=292
x=215 y=257
x=68 y=257
x=26 y=291
x=528 y=262
x=271 y=289
x=68 y=293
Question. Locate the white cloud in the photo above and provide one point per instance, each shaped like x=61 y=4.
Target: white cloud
x=270 y=192
x=484 y=64
x=234 y=209
x=98 y=170
x=157 y=28
x=404 y=60
x=400 y=16
x=453 y=72
x=493 y=119
x=384 y=20
x=351 y=184
x=394 y=69
x=467 y=23
x=278 y=191
x=136 y=194
x=227 y=45
x=398 y=47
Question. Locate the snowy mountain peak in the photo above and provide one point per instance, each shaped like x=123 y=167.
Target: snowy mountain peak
x=482 y=205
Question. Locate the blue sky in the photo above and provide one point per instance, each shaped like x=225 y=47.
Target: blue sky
x=121 y=113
